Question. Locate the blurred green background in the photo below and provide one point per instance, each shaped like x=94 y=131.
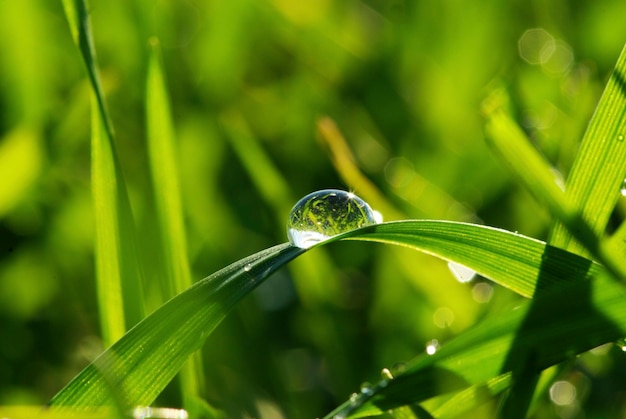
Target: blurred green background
x=249 y=81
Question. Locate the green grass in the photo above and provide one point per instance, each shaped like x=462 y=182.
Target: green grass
x=224 y=115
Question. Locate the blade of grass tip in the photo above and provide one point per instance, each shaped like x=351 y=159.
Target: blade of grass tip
x=139 y=365
x=595 y=180
x=507 y=138
x=77 y=15
x=165 y=178
x=120 y=303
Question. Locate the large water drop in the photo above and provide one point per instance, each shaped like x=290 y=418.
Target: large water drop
x=323 y=214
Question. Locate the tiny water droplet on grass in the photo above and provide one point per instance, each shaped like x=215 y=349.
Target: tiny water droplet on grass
x=366 y=389
x=323 y=214
x=432 y=346
x=623 y=188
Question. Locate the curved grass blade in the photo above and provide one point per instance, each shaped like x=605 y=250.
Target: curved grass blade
x=137 y=367
x=519 y=263
x=538 y=334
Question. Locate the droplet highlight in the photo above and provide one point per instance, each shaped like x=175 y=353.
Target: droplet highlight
x=323 y=214
x=432 y=346
x=366 y=389
x=623 y=189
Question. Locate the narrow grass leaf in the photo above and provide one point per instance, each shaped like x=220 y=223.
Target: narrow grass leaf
x=120 y=302
x=165 y=179
x=519 y=263
x=138 y=366
x=545 y=331
x=77 y=14
x=507 y=138
x=598 y=173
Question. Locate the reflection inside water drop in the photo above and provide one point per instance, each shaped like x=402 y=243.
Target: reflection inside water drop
x=623 y=190
x=323 y=214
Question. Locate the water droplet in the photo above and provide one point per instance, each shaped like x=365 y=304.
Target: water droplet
x=621 y=343
x=354 y=397
x=366 y=389
x=620 y=138
x=386 y=374
x=623 y=190
x=432 y=346
x=398 y=368
x=248 y=267
x=323 y=214
x=461 y=272
x=145 y=412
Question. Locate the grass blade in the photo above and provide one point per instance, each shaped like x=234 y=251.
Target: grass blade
x=164 y=169
x=522 y=264
x=138 y=366
x=535 y=173
x=594 y=183
x=547 y=330
x=120 y=303
x=77 y=15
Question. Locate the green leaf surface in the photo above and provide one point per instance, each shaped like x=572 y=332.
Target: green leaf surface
x=522 y=264
x=165 y=179
x=537 y=334
x=77 y=13
x=162 y=149
x=598 y=173
x=137 y=367
x=120 y=298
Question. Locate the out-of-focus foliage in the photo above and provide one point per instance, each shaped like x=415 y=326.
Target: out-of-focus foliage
x=248 y=82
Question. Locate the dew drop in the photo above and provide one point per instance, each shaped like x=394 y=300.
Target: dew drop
x=620 y=138
x=462 y=273
x=386 y=374
x=398 y=368
x=623 y=189
x=366 y=389
x=248 y=267
x=432 y=346
x=621 y=343
x=354 y=397
x=323 y=214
